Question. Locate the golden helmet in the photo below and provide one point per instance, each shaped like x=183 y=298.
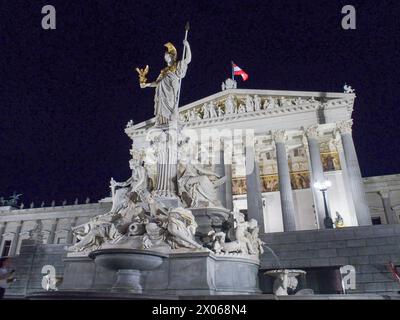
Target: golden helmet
x=171 y=49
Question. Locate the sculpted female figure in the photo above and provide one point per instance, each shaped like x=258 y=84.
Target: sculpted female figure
x=195 y=183
x=136 y=184
x=167 y=83
x=181 y=226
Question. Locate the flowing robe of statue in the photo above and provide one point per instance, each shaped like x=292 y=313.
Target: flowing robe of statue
x=196 y=183
x=137 y=183
x=167 y=84
x=167 y=90
x=181 y=227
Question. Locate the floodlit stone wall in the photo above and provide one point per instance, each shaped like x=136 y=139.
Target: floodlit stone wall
x=369 y=249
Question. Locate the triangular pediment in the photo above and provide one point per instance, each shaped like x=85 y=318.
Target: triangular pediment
x=244 y=103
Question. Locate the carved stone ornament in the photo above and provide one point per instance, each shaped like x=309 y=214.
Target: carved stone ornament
x=312 y=132
x=345 y=127
x=279 y=136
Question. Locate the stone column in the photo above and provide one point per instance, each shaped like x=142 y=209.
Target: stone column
x=390 y=214
x=337 y=143
x=317 y=172
x=50 y=239
x=70 y=235
x=14 y=244
x=285 y=187
x=253 y=184
x=219 y=168
x=228 y=187
x=228 y=158
x=353 y=169
x=2 y=229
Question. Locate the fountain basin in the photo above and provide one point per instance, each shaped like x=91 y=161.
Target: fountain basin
x=127 y=259
x=284 y=279
x=128 y=263
x=290 y=272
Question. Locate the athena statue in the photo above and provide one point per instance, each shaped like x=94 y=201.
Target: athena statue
x=167 y=83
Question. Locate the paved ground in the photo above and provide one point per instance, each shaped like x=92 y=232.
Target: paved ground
x=59 y=295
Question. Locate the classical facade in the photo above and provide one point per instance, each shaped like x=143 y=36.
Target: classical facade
x=268 y=156
x=299 y=138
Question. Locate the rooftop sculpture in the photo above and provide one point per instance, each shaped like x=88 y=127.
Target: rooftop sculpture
x=12 y=201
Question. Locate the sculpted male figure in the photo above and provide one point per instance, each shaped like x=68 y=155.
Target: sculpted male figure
x=94 y=233
x=242 y=234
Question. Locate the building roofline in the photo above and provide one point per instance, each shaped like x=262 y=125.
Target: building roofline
x=286 y=93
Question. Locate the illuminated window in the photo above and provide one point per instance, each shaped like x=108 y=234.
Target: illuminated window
x=6 y=248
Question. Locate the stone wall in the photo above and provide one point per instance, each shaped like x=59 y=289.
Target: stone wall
x=383 y=196
x=29 y=263
x=369 y=249
x=15 y=224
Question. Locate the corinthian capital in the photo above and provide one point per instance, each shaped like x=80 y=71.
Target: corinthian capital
x=344 y=126
x=279 y=136
x=312 y=132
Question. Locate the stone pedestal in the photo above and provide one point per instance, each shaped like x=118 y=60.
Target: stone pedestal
x=180 y=274
x=81 y=274
x=164 y=139
x=128 y=281
x=128 y=265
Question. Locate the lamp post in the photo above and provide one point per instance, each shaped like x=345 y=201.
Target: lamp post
x=323 y=187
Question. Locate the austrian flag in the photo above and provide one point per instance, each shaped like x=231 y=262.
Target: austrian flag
x=237 y=71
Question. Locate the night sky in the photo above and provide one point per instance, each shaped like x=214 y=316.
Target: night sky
x=67 y=94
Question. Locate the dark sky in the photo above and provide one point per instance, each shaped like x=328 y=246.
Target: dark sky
x=67 y=94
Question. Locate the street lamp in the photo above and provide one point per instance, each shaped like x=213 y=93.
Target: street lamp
x=323 y=187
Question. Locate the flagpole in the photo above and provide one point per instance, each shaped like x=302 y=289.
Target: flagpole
x=233 y=71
